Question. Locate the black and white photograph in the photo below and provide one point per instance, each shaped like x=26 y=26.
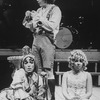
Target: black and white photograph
x=49 y=50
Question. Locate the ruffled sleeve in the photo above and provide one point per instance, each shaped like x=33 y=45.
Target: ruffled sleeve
x=18 y=79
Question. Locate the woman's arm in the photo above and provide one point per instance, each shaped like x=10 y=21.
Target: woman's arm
x=17 y=79
x=88 y=87
x=64 y=86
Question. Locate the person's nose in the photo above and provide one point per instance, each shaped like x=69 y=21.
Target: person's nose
x=78 y=63
x=28 y=65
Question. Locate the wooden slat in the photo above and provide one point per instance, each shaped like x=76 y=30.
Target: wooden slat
x=92 y=55
x=93 y=73
x=10 y=52
x=60 y=55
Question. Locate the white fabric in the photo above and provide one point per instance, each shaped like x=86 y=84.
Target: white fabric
x=76 y=84
x=52 y=24
x=20 y=81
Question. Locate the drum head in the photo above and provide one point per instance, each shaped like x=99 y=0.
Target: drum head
x=63 y=38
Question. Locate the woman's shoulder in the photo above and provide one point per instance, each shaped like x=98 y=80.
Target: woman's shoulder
x=20 y=71
x=67 y=73
x=86 y=72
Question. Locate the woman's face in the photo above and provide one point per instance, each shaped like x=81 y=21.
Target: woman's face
x=29 y=64
x=78 y=64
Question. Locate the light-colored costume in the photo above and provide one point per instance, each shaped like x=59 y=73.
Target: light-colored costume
x=23 y=87
x=76 y=84
x=44 y=37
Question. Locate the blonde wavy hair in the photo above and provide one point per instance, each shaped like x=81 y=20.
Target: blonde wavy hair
x=77 y=55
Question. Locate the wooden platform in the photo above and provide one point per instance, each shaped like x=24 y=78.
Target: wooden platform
x=95 y=96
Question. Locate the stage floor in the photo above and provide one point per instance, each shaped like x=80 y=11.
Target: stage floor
x=95 y=96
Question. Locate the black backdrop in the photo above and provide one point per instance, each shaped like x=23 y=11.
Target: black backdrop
x=83 y=15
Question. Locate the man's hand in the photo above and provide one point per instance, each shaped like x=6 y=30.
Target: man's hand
x=43 y=73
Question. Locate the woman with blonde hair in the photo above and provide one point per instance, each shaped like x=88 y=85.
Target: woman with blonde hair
x=77 y=83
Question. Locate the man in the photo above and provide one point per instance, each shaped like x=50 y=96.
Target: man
x=44 y=23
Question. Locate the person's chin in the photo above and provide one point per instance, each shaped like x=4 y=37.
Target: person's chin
x=77 y=70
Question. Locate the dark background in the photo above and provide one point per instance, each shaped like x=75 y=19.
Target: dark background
x=83 y=15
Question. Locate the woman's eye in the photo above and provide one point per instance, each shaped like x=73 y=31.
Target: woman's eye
x=73 y=60
x=81 y=60
x=76 y=60
x=25 y=62
x=31 y=61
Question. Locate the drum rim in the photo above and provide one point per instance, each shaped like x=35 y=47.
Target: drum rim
x=62 y=47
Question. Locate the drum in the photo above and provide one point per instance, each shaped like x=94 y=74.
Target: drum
x=65 y=37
